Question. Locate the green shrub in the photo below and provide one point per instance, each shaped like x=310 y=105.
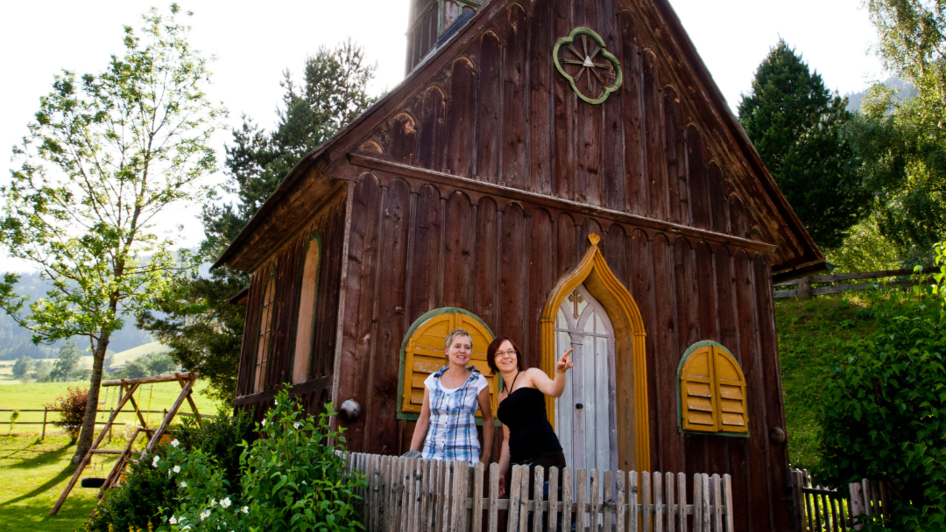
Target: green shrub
x=137 y=502
x=71 y=408
x=147 y=490
x=219 y=438
x=293 y=478
x=883 y=413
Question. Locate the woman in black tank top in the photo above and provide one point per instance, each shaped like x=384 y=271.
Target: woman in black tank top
x=528 y=437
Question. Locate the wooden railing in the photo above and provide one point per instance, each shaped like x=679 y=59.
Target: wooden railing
x=47 y=421
x=826 y=509
x=417 y=495
x=837 y=283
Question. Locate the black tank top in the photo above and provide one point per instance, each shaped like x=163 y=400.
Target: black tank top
x=530 y=433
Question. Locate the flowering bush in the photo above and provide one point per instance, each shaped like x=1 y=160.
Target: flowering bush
x=292 y=478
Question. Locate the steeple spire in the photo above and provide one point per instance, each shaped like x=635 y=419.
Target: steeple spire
x=433 y=19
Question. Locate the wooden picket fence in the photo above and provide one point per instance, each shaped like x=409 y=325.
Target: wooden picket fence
x=417 y=495
x=825 y=509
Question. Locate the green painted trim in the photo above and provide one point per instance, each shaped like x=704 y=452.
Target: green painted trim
x=683 y=360
x=417 y=323
x=619 y=72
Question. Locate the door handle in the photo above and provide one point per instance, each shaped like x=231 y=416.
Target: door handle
x=579 y=406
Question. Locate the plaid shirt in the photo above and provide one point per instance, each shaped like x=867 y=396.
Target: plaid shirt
x=452 y=431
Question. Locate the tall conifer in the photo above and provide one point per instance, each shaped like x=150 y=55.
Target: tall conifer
x=796 y=125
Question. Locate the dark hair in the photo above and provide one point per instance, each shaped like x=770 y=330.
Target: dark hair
x=494 y=346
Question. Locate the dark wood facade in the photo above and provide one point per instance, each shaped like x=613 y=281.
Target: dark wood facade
x=475 y=185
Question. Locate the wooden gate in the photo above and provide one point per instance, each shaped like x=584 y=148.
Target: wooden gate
x=417 y=495
x=822 y=508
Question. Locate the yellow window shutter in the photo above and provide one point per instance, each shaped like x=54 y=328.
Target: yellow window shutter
x=731 y=385
x=697 y=390
x=424 y=354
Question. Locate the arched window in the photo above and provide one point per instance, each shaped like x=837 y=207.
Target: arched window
x=422 y=353
x=265 y=340
x=302 y=354
x=712 y=391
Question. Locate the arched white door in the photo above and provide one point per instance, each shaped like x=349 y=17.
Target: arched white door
x=586 y=420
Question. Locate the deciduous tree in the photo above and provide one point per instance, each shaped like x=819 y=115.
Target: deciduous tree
x=796 y=124
x=198 y=322
x=106 y=155
x=903 y=142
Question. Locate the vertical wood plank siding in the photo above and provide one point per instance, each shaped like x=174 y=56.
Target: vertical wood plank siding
x=494 y=257
x=499 y=112
x=287 y=263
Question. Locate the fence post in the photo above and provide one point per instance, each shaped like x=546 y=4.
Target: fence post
x=45 y=411
x=804 y=288
x=798 y=498
x=857 y=504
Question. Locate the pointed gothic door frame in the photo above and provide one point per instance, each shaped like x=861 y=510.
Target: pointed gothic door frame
x=630 y=363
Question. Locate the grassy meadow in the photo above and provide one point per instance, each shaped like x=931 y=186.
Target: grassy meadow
x=33 y=474
x=15 y=395
x=810 y=334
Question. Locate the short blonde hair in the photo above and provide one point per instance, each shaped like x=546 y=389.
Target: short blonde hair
x=453 y=334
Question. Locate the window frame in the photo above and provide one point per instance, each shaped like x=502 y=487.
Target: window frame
x=315 y=237
x=716 y=395
x=258 y=384
x=412 y=416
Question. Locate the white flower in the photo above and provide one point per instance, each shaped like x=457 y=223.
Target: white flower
x=154 y=463
x=173 y=521
x=175 y=443
x=204 y=515
x=183 y=484
x=213 y=503
x=296 y=425
x=177 y=469
x=245 y=509
x=264 y=422
x=225 y=502
x=277 y=403
x=186 y=527
x=304 y=483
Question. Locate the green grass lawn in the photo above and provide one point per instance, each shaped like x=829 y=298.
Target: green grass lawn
x=33 y=475
x=33 y=396
x=810 y=333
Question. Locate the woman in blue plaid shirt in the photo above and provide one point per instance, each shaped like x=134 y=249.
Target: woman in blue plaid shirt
x=447 y=425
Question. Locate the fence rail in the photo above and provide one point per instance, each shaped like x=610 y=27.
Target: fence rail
x=417 y=495
x=47 y=411
x=804 y=289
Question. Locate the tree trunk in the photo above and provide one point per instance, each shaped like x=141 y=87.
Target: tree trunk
x=91 y=408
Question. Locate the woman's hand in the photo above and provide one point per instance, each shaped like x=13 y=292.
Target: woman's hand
x=502 y=485
x=565 y=363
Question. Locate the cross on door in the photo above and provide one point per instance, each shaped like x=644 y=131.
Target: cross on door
x=576 y=298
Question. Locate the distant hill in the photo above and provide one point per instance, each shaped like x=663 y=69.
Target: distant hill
x=16 y=342
x=905 y=91
x=128 y=355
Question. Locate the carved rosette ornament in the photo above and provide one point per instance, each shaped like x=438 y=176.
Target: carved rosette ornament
x=593 y=72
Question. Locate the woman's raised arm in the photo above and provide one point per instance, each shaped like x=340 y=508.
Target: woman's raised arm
x=552 y=387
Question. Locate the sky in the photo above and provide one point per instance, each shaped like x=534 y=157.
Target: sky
x=253 y=45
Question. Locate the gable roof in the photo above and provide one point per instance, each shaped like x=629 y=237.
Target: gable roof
x=762 y=194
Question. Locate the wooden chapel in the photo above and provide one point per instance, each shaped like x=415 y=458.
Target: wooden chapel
x=563 y=172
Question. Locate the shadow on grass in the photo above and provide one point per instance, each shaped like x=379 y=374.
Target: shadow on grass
x=34 y=515
x=39 y=490
x=42 y=458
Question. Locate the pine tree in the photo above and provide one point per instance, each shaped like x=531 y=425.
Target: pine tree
x=205 y=330
x=797 y=124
